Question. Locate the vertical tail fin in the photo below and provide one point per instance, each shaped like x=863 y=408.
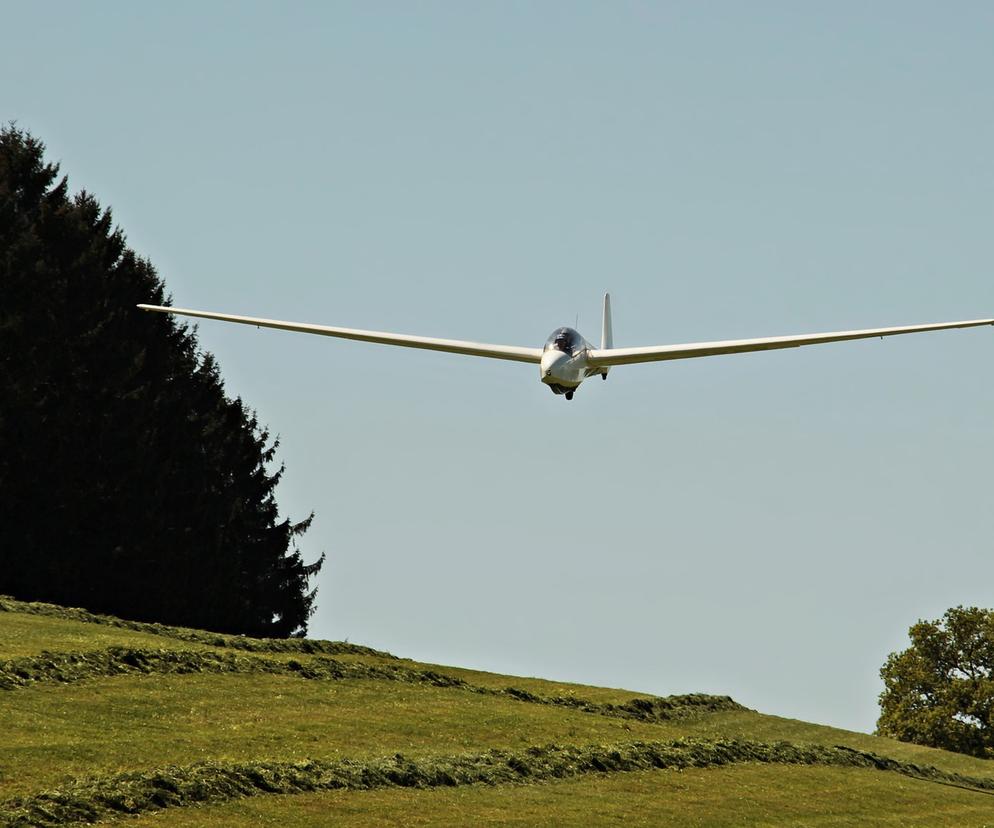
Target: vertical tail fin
x=607 y=337
x=607 y=340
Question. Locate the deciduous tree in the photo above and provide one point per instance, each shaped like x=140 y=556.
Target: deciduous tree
x=940 y=691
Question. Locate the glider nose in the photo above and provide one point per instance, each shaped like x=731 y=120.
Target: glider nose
x=552 y=361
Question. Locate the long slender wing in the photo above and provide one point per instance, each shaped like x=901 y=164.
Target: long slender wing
x=450 y=345
x=626 y=356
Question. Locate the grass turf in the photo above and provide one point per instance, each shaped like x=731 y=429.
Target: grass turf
x=53 y=732
x=728 y=797
x=30 y=634
x=108 y=725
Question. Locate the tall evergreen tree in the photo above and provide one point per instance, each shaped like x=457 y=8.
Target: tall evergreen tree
x=129 y=482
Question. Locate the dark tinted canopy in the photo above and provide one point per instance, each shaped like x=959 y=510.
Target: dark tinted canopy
x=564 y=339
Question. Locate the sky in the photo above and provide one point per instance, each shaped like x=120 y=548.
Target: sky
x=763 y=525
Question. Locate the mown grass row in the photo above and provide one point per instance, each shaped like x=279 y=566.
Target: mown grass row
x=306 y=646
x=123 y=661
x=91 y=799
x=733 y=796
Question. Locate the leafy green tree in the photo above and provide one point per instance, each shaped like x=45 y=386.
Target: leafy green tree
x=129 y=482
x=940 y=691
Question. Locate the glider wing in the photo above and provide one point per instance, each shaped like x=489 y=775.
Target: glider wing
x=452 y=346
x=606 y=357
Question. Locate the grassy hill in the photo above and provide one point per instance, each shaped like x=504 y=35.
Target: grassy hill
x=102 y=719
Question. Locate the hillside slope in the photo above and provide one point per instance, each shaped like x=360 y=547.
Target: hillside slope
x=104 y=718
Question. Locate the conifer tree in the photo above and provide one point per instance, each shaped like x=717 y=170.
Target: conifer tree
x=130 y=483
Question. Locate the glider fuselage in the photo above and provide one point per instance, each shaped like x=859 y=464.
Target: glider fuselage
x=564 y=361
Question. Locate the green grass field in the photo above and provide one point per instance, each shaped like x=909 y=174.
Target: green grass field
x=154 y=725
x=711 y=798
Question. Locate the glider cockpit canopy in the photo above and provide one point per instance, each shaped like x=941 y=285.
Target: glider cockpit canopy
x=566 y=340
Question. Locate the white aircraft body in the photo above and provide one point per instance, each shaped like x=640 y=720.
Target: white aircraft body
x=567 y=359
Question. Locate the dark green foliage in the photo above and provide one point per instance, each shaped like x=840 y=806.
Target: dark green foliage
x=940 y=691
x=89 y=800
x=131 y=483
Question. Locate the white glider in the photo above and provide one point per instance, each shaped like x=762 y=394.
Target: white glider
x=567 y=358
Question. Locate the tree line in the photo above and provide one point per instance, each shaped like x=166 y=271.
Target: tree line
x=131 y=483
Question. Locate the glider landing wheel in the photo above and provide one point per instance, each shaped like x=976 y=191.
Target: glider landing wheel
x=569 y=395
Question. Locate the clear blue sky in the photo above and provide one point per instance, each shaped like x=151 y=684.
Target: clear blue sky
x=766 y=525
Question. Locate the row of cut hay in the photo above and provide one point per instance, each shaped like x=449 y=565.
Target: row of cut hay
x=88 y=800
x=306 y=646
x=124 y=661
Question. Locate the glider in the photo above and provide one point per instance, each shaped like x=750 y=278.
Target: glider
x=567 y=359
